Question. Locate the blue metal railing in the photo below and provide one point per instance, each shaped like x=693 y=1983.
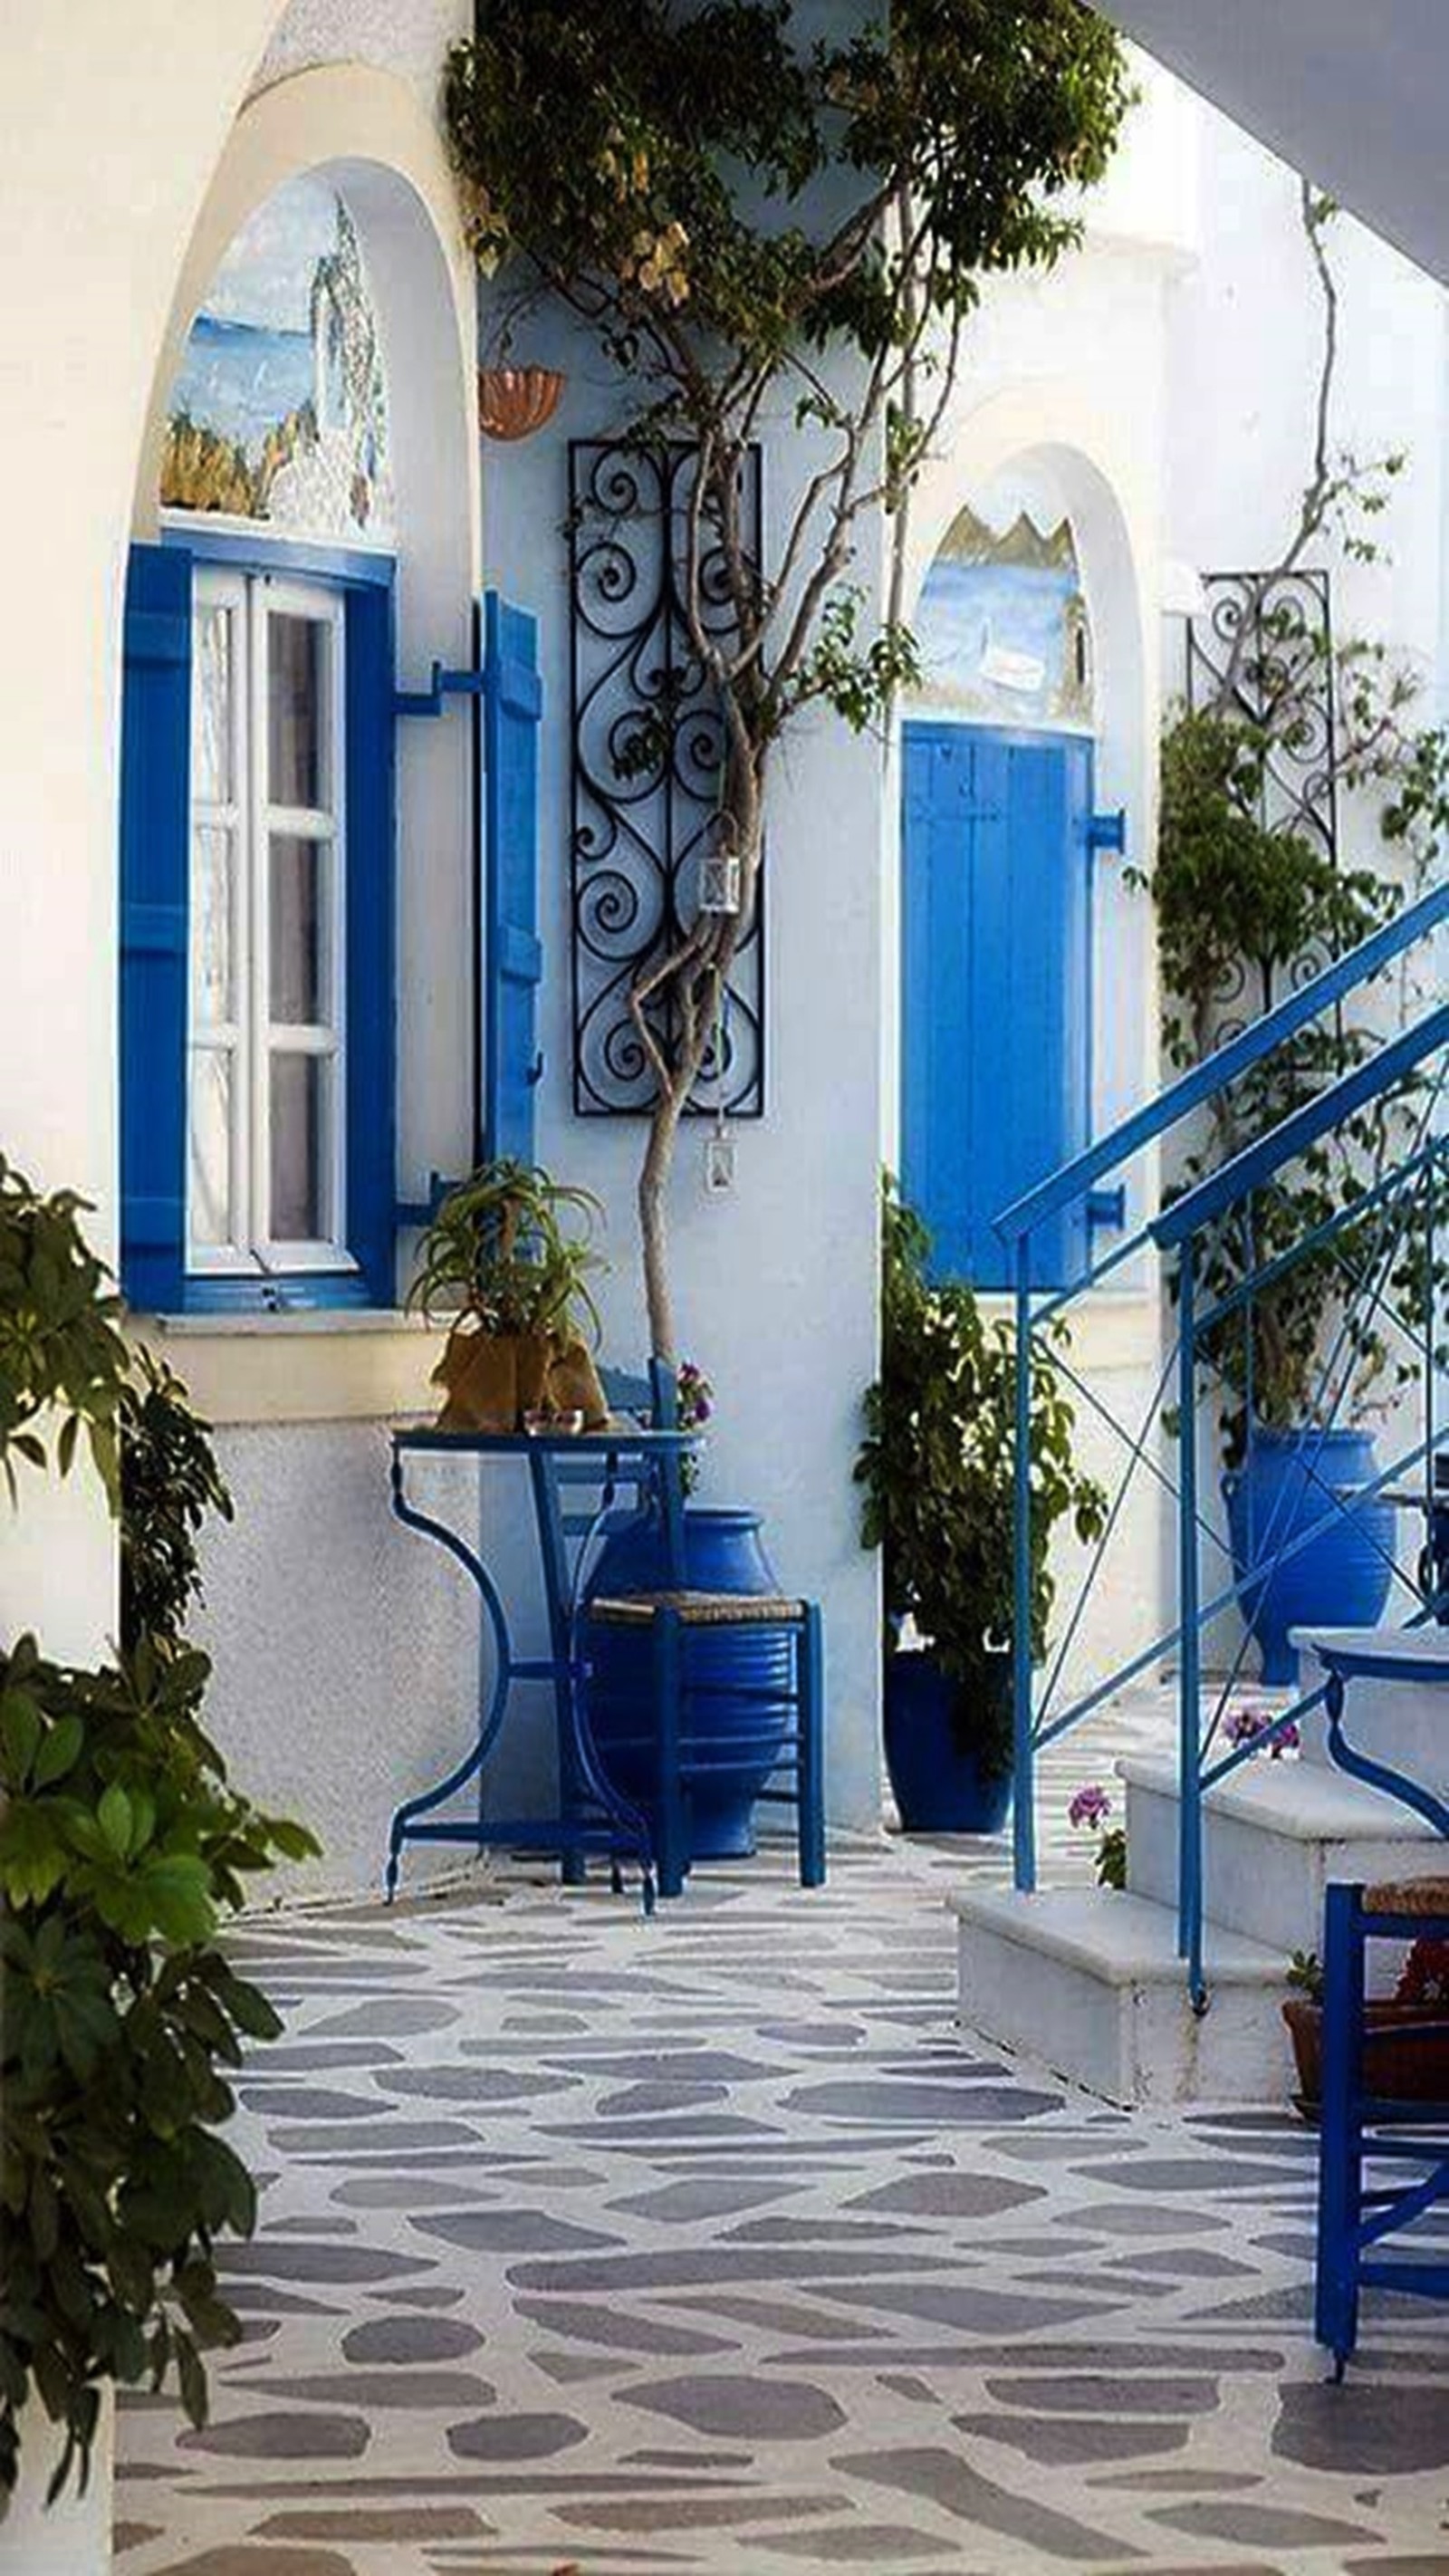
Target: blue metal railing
x=1187 y=1229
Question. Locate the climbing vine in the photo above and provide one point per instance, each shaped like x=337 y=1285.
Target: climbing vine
x=758 y=226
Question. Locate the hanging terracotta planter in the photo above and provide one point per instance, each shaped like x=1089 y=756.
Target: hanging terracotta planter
x=515 y=401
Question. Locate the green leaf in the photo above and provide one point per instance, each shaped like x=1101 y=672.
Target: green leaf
x=32 y=1858
x=19 y=1736
x=177 y=1888
x=59 y=1751
x=115 y=1819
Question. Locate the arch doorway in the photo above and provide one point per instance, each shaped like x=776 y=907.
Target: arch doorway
x=999 y=835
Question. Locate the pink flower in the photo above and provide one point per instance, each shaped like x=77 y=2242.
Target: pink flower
x=1247 y=1724
x=1090 y=1806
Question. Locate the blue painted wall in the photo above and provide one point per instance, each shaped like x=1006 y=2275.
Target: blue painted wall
x=996 y=999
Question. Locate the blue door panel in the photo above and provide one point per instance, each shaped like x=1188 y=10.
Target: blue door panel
x=513 y=955
x=155 y=845
x=996 y=927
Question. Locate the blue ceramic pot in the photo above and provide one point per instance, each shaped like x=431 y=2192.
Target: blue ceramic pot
x=723 y=1552
x=1340 y=1578
x=938 y=1784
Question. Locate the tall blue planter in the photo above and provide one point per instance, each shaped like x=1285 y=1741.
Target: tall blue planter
x=723 y=1552
x=937 y=1781
x=1340 y=1579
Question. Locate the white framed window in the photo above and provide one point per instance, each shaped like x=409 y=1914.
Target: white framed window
x=266 y=1092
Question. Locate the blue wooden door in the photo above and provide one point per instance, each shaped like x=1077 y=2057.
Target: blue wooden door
x=996 y=1000
x=512 y=953
x=155 y=843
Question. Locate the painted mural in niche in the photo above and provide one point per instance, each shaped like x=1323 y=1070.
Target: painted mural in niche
x=279 y=412
x=1002 y=627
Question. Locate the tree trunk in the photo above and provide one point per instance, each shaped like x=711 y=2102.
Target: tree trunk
x=694 y=976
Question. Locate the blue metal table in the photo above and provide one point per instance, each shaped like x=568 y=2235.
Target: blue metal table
x=591 y=1815
x=1380 y=1654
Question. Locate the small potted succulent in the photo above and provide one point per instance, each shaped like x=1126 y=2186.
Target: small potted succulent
x=937 y=1466
x=1408 y=2034
x=499 y=1258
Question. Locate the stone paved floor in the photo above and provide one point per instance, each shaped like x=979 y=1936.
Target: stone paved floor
x=708 y=2245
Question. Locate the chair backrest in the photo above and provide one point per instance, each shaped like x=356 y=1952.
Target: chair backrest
x=652 y=1398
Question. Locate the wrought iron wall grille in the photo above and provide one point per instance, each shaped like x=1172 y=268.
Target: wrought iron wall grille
x=647 y=762
x=1266 y=640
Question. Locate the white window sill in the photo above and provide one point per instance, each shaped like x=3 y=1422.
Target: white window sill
x=321 y=1365
x=267 y=1325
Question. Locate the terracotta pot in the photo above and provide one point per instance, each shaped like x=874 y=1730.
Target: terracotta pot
x=492 y=1381
x=515 y=401
x=1408 y=2051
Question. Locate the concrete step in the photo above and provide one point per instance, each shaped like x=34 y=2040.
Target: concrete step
x=1274 y=1835
x=1089 y=1984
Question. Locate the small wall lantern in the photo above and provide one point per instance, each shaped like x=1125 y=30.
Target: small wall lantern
x=719 y=883
x=515 y=401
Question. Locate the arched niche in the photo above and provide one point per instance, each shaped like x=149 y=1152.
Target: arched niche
x=1047 y=450
x=363 y=136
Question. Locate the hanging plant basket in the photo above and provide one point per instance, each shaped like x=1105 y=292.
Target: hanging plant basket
x=515 y=401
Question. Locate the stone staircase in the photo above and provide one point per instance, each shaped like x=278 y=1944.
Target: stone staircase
x=1089 y=1982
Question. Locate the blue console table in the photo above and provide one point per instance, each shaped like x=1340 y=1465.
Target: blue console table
x=591 y=1815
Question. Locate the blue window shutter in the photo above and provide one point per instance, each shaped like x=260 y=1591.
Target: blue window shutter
x=996 y=986
x=155 y=876
x=512 y=962
x=371 y=941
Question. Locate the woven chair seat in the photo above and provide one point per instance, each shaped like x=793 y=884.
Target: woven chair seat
x=1409 y=1896
x=699 y=1609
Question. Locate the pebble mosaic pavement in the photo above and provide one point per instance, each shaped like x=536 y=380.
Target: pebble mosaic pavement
x=710 y=2248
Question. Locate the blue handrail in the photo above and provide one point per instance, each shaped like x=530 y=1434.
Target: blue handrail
x=1292 y=1136
x=1168 y=1107
x=1180 y=1228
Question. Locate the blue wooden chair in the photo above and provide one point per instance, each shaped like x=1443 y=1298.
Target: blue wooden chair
x=1360 y=2124
x=682 y=1748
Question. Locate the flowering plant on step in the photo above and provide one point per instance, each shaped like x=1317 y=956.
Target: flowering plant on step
x=1088 y=1809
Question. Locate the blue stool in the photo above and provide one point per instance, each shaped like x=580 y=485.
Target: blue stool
x=682 y=1749
x=1362 y=2125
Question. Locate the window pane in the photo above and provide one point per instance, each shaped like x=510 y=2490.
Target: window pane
x=215 y=680
x=210 y=1205
x=212 y=862
x=298 y=898
x=298 y=1212
x=298 y=657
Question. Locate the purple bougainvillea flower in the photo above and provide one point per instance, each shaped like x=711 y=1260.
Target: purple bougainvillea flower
x=1090 y=1806
x=1287 y=1740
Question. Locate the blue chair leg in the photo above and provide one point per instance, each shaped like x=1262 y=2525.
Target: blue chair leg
x=670 y=1803
x=810 y=1774
x=1340 y=2147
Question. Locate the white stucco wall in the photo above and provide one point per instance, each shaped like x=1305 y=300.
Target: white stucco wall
x=776 y=1282
x=102 y=170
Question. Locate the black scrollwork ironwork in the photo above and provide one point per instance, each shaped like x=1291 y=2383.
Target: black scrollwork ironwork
x=1263 y=648
x=647 y=754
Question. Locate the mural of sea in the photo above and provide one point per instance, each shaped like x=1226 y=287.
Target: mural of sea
x=242 y=378
x=1001 y=627
x=279 y=410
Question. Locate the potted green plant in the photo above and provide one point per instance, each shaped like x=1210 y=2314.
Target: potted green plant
x=499 y=1256
x=937 y=1467
x=122 y=1850
x=1408 y=2033
x=1244 y=910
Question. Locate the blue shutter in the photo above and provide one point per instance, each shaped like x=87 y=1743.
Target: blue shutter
x=155 y=872
x=371 y=941
x=996 y=951
x=512 y=961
